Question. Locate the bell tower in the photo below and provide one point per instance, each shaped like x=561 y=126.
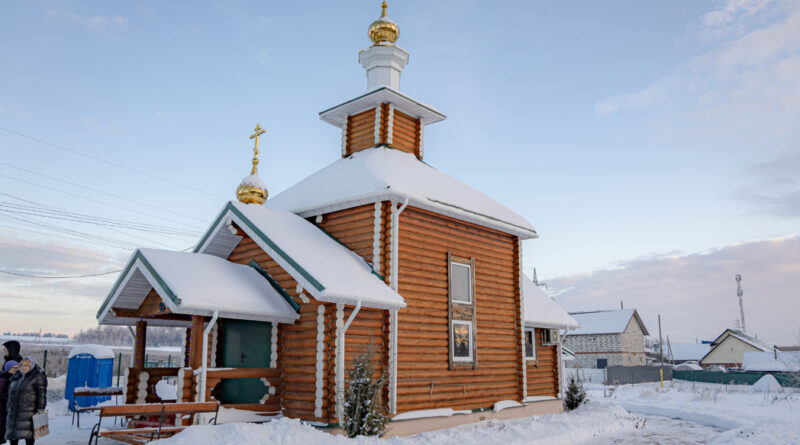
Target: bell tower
x=383 y=116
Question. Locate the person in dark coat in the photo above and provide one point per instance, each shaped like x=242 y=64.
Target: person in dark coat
x=27 y=394
x=11 y=351
x=9 y=369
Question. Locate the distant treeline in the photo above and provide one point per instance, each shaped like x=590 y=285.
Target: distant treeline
x=37 y=334
x=119 y=336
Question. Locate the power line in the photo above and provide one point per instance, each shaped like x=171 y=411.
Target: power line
x=100 y=191
x=124 y=167
x=86 y=198
x=60 y=277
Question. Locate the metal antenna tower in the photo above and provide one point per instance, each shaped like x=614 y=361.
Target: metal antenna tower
x=739 y=293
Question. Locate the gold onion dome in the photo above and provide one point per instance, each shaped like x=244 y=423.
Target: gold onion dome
x=383 y=31
x=252 y=189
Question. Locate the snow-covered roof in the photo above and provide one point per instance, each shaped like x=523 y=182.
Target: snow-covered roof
x=542 y=311
x=325 y=268
x=96 y=351
x=383 y=174
x=381 y=95
x=780 y=361
x=752 y=341
x=195 y=284
x=605 y=322
x=689 y=351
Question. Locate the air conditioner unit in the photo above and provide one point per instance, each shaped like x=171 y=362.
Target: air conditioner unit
x=550 y=336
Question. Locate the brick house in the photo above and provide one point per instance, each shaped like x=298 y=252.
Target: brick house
x=607 y=338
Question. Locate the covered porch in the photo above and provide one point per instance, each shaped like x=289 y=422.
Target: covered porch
x=230 y=314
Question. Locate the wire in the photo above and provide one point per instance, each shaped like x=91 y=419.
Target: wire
x=61 y=277
x=124 y=167
x=100 y=191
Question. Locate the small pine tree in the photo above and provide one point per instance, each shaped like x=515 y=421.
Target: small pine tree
x=576 y=395
x=365 y=414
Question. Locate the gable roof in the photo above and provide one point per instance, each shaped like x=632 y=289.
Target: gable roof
x=606 y=322
x=194 y=284
x=384 y=174
x=325 y=268
x=752 y=341
x=541 y=311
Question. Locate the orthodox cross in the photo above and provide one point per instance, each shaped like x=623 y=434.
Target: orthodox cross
x=259 y=132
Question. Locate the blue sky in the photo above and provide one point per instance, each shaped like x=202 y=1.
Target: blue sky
x=626 y=132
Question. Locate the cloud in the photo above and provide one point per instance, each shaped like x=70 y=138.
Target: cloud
x=108 y=26
x=776 y=188
x=696 y=293
x=758 y=69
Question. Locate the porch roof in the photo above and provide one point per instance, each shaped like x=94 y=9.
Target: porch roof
x=541 y=311
x=193 y=284
x=324 y=267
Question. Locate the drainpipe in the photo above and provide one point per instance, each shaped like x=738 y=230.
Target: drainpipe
x=203 y=368
x=395 y=278
x=341 y=355
x=133 y=346
x=561 y=363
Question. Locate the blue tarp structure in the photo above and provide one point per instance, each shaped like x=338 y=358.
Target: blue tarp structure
x=92 y=366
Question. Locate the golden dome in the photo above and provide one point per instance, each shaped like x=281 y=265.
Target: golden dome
x=252 y=189
x=383 y=31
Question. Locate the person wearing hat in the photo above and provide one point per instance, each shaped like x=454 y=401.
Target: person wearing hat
x=11 y=351
x=10 y=368
x=27 y=395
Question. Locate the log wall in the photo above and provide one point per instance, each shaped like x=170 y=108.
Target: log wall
x=543 y=372
x=297 y=343
x=424 y=379
x=360 y=134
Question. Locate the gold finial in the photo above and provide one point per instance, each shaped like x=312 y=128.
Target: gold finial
x=252 y=189
x=383 y=31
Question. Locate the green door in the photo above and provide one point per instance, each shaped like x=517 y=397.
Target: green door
x=246 y=344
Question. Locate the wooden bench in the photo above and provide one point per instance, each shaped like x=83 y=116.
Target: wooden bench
x=141 y=435
x=86 y=392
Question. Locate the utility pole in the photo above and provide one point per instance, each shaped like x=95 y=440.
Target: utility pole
x=739 y=293
x=660 y=342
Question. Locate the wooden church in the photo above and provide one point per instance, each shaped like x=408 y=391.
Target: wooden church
x=377 y=250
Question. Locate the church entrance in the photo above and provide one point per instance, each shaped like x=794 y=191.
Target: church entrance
x=246 y=344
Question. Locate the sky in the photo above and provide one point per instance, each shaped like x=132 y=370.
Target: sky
x=653 y=145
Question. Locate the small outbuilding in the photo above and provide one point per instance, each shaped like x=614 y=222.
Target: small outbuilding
x=89 y=366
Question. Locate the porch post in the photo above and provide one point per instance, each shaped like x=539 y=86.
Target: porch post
x=196 y=345
x=141 y=341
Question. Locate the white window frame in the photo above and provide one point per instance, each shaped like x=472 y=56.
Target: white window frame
x=453 y=339
x=469 y=284
x=533 y=342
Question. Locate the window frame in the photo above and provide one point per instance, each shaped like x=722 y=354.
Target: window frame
x=532 y=332
x=470 y=345
x=471 y=284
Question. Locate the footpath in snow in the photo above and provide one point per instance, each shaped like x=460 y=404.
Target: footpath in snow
x=742 y=414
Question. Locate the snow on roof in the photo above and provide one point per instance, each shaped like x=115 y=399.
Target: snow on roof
x=96 y=351
x=541 y=310
x=338 y=114
x=689 y=351
x=325 y=268
x=752 y=341
x=605 y=322
x=382 y=174
x=197 y=284
x=780 y=361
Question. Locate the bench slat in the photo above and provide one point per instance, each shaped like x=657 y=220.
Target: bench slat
x=166 y=429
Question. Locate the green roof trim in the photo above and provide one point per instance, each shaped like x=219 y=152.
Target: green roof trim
x=138 y=256
x=313 y=281
x=211 y=230
x=254 y=264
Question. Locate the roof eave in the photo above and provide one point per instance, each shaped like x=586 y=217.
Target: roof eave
x=336 y=115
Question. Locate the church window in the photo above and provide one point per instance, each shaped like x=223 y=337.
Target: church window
x=462 y=341
x=530 y=344
x=461 y=282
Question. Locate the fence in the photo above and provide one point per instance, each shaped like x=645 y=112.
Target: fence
x=637 y=374
x=585 y=375
x=735 y=378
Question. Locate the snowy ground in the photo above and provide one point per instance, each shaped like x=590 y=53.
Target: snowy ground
x=681 y=413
